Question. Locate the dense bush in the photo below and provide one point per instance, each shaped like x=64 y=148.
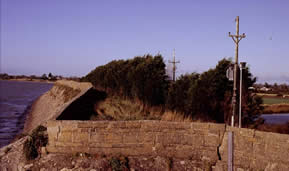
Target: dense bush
x=143 y=78
x=205 y=96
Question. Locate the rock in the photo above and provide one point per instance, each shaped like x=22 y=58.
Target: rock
x=182 y=162
x=92 y=170
x=42 y=169
x=20 y=166
x=43 y=151
x=28 y=166
x=65 y=169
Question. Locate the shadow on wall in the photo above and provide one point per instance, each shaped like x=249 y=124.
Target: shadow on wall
x=83 y=107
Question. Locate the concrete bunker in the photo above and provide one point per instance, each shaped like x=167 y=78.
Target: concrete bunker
x=83 y=107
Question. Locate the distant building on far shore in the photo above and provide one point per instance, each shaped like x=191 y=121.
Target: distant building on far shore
x=265 y=89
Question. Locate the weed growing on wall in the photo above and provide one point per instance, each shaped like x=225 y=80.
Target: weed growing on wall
x=32 y=145
x=119 y=163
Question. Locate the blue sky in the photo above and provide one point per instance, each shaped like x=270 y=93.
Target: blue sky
x=72 y=37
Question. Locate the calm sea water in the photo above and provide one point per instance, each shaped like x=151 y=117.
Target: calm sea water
x=276 y=118
x=15 y=99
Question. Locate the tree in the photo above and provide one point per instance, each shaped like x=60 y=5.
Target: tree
x=50 y=75
x=44 y=77
x=141 y=77
x=208 y=96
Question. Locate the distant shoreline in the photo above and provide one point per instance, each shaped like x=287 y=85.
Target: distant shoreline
x=276 y=109
x=30 y=80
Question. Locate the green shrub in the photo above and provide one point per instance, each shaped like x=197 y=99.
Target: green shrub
x=39 y=136
x=29 y=149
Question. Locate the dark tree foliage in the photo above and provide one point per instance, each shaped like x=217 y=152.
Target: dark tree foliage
x=141 y=77
x=208 y=96
x=179 y=95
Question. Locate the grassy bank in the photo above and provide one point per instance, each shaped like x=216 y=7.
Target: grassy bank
x=276 y=108
x=275 y=100
x=273 y=103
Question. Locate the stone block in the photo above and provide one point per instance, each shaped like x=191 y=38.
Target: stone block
x=97 y=137
x=68 y=144
x=116 y=125
x=169 y=138
x=68 y=127
x=131 y=137
x=93 y=124
x=187 y=139
x=134 y=145
x=197 y=140
x=150 y=126
x=81 y=149
x=217 y=128
x=133 y=125
x=147 y=138
x=82 y=137
x=184 y=151
x=100 y=145
x=53 y=133
x=65 y=136
x=211 y=141
x=258 y=149
x=113 y=138
x=53 y=123
x=199 y=126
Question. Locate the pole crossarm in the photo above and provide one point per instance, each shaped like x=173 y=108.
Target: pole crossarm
x=237 y=38
x=174 y=62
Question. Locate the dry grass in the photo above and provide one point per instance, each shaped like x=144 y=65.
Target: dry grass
x=174 y=116
x=116 y=108
x=276 y=108
x=266 y=94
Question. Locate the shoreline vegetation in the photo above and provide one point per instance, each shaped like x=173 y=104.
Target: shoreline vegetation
x=275 y=103
x=276 y=109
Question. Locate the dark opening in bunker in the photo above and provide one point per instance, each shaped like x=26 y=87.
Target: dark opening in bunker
x=83 y=107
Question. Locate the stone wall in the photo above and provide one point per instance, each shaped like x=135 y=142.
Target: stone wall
x=256 y=150
x=203 y=143
x=196 y=141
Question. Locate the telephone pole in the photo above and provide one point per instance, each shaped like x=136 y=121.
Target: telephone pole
x=174 y=62
x=236 y=38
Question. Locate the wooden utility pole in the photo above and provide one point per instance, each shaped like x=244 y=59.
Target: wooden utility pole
x=236 y=38
x=174 y=62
